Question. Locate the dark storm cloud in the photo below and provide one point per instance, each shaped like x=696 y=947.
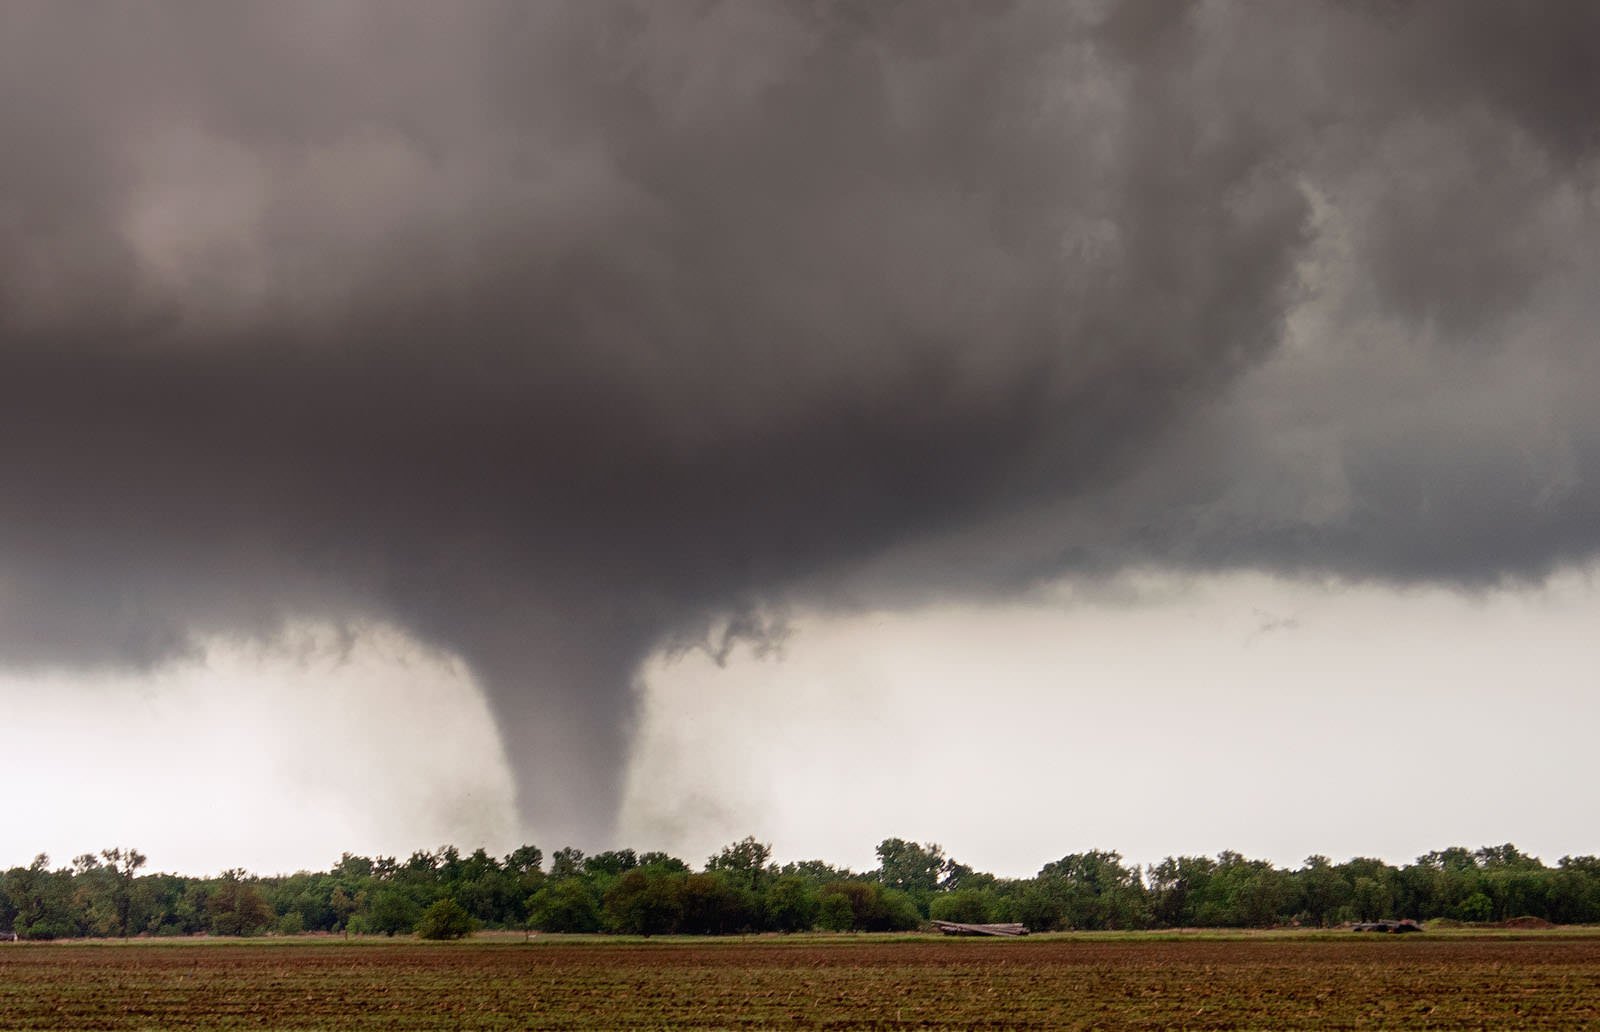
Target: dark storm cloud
x=556 y=333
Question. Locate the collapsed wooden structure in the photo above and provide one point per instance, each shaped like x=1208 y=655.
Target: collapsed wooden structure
x=957 y=928
x=1391 y=927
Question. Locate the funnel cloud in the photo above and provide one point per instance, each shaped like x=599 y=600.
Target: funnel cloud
x=558 y=334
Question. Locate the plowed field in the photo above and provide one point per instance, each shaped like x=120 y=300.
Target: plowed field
x=1412 y=982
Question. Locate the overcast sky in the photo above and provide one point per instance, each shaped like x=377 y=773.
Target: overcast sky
x=1024 y=425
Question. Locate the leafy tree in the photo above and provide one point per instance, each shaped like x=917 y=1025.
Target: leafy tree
x=353 y=868
x=1507 y=857
x=835 y=912
x=873 y=908
x=1574 y=896
x=236 y=907
x=643 y=903
x=1178 y=888
x=445 y=919
x=663 y=862
x=1040 y=909
x=1323 y=890
x=612 y=863
x=525 y=860
x=911 y=868
x=392 y=912
x=745 y=862
x=1372 y=888
x=567 y=863
x=713 y=904
x=966 y=906
x=790 y=905
x=1476 y=907
x=1095 y=890
x=343 y=906
x=815 y=872
x=564 y=906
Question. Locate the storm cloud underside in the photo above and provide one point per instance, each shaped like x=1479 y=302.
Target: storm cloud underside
x=560 y=333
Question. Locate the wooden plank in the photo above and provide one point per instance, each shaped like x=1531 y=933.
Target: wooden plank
x=958 y=928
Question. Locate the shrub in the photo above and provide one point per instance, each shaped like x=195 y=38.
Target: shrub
x=393 y=912
x=965 y=906
x=445 y=920
x=872 y=907
x=834 y=913
x=790 y=905
x=713 y=906
x=564 y=906
x=644 y=902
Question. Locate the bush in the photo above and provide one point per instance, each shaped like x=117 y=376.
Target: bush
x=393 y=912
x=790 y=905
x=1040 y=910
x=1476 y=908
x=445 y=920
x=896 y=911
x=872 y=907
x=237 y=908
x=564 y=906
x=713 y=906
x=964 y=906
x=644 y=903
x=834 y=914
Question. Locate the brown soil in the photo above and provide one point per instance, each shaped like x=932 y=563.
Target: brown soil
x=1378 y=981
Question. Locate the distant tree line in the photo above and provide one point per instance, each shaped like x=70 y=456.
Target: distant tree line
x=443 y=894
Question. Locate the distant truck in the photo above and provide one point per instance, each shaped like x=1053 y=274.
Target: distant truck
x=8 y=936
x=1392 y=927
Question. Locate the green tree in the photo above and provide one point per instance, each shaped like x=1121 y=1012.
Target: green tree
x=873 y=908
x=1095 y=890
x=567 y=863
x=566 y=905
x=236 y=907
x=643 y=903
x=344 y=905
x=835 y=912
x=714 y=904
x=911 y=868
x=815 y=872
x=1477 y=908
x=744 y=862
x=392 y=912
x=611 y=863
x=666 y=864
x=445 y=919
x=965 y=906
x=1323 y=891
x=789 y=905
x=1179 y=886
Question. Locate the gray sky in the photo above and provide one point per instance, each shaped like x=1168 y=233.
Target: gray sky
x=500 y=353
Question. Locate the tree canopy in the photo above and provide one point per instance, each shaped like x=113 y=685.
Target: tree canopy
x=443 y=894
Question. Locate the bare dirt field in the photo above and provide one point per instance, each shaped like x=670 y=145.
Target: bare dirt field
x=1530 y=980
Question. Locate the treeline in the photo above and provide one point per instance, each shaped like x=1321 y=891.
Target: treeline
x=443 y=894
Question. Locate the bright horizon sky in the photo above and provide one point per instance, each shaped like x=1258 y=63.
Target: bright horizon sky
x=1241 y=712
